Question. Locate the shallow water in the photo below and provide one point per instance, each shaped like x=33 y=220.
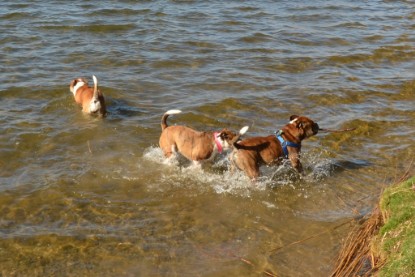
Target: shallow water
x=84 y=196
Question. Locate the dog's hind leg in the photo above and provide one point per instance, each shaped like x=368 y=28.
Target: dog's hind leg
x=170 y=153
x=250 y=166
x=253 y=173
x=232 y=165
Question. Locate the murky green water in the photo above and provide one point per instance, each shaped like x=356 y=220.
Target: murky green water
x=89 y=197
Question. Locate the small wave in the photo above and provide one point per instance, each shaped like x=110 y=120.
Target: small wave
x=256 y=38
x=119 y=12
x=102 y=28
x=16 y=16
x=172 y=63
x=120 y=108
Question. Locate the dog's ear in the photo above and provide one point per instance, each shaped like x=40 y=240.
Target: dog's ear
x=294 y=116
x=295 y=120
x=224 y=134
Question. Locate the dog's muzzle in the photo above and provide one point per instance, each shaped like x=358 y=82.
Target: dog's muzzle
x=315 y=128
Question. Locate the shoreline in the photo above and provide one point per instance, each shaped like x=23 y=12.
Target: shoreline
x=384 y=244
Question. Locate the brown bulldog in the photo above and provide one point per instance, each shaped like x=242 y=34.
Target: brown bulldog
x=249 y=154
x=91 y=99
x=194 y=145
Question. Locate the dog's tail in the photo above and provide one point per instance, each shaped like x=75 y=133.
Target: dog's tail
x=165 y=116
x=235 y=140
x=95 y=97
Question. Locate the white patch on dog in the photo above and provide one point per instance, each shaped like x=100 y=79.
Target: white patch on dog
x=294 y=120
x=171 y=112
x=77 y=86
x=243 y=130
x=94 y=105
x=222 y=142
x=225 y=145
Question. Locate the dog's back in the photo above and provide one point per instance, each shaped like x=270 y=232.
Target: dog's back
x=265 y=150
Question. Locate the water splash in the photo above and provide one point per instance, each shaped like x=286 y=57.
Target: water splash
x=216 y=177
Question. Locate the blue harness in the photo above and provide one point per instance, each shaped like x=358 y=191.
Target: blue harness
x=285 y=143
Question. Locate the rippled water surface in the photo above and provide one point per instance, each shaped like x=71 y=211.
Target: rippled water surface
x=84 y=196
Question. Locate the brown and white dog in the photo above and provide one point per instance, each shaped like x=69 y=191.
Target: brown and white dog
x=194 y=145
x=91 y=99
x=249 y=154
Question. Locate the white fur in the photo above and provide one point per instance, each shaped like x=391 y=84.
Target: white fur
x=77 y=86
x=294 y=120
x=170 y=112
x=223 y=143
x=243 y=130
x=94 y=105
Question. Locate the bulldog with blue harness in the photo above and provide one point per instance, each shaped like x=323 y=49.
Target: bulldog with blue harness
x=249 y=154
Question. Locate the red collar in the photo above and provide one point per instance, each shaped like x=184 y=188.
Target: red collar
x=218 y=143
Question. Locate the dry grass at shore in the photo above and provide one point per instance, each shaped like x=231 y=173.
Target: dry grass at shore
x=369 y=248
x=356 y=258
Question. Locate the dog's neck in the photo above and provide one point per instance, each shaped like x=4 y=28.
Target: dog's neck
x=77 y=86
x=285 y=143
x=218 y=142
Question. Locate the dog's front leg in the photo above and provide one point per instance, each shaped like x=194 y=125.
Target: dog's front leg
x=295 y=162
x=232 y=165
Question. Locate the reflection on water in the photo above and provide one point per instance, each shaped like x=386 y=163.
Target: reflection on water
x=85 y=196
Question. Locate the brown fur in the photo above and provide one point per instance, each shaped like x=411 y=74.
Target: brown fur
x=249 y=154
x=194 y=145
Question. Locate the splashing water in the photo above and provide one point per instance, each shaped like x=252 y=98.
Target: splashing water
x=214 y=176
x=179 y=172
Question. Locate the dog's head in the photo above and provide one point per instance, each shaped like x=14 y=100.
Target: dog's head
x=302 y=127
x=77 y=83
x=226 y=138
